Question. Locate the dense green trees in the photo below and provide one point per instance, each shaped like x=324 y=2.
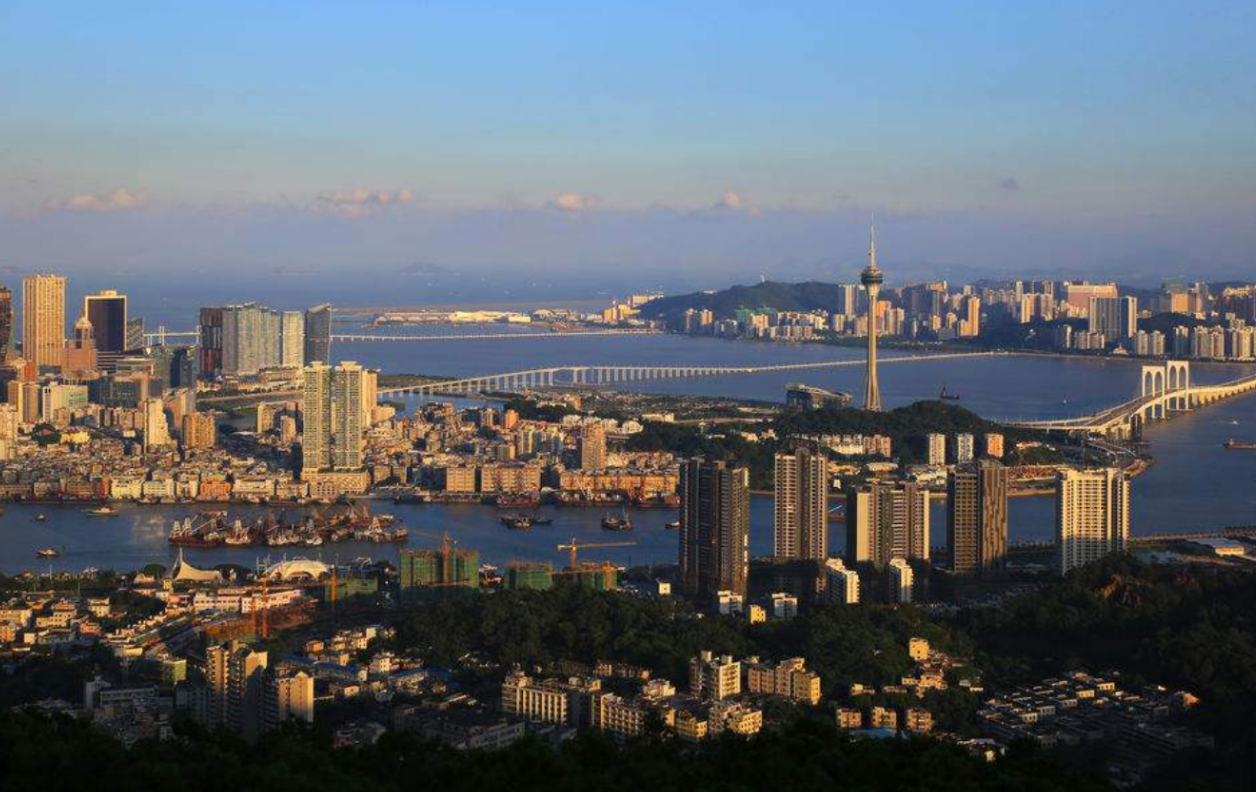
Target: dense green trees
x=1191 y=627
x=42 y=755
x=908 y=427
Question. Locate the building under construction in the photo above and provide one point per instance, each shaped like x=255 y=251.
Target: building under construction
x=524 y=575
x=598 y=575
x=445 y=567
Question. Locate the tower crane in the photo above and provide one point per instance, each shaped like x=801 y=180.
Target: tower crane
x=573 y=546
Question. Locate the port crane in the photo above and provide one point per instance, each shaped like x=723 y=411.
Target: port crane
x=574 y=546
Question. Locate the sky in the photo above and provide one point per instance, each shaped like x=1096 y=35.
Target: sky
x=472 y=148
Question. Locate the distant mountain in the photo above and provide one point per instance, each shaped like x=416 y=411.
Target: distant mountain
x=808 y=296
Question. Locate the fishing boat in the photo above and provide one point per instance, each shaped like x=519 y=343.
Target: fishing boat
x=101 y=511
x=1238 y=445
x=48 y=552
x=612 y=523
x=517 y=522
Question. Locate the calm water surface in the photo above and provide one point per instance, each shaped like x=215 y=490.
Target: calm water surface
x=1194 y=484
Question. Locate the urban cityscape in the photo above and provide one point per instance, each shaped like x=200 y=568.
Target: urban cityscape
x=716 y=512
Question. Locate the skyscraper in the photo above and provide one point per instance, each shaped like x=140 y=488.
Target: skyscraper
x=6 y=323
x=348 y=390
x=886 y=520
x=316 y=413
x=714 y=528
x=43 y=320
x=976 y=516
x=1092 y=515
x=210 y=356
x=335 y=426
x=251 y=336
x=293 y=342
x=1115 y=317
x=318 y=334
x=107 y=311
x=801 y=520
x=872 y=279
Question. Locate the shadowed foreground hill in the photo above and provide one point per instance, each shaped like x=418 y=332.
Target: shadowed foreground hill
x=37 y=754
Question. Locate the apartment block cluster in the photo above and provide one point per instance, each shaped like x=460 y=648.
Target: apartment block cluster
x=936 y=311
x=51 y=620
x=1204 y=326
x=920 y=311
x=1141 y=728
x=721 y=698
x=889 y=707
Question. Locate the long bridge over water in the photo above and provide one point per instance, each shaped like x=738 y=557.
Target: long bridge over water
x=1165 y=390
x=533 y=335
x=606 y=374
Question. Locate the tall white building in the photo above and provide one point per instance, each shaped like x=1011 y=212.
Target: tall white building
x=43 y=320
x=335 y=417
x=348 y=392
x=842 y=584
x=964 y=448
x=801 y=520
x=251 y=338
x=1115 y=317
x=292 y=343
x=886 y=520
x=1092 y=510
x=937 y=448
x=901 y=579
x=294 y=695
x=156 y=427
x=316 y=414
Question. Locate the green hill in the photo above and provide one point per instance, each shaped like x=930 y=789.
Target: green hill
x=724 y=304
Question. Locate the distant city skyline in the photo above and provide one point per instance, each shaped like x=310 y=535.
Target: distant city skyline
x=691 y=147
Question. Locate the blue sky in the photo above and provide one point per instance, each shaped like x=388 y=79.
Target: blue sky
x=693 y=141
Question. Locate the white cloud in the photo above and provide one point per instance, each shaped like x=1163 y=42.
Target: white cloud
x=574 y=203
x=731 y=201
x=120 y=199
x=361 y=200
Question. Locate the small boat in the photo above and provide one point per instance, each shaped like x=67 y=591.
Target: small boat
x=674 y=525
x=613 y=523
x=1238 y=445
x=101 y=511
x=945 y=395
x=48 y=552
x=41 y=517
x=518 y=523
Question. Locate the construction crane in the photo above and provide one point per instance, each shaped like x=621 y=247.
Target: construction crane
x=573 y=546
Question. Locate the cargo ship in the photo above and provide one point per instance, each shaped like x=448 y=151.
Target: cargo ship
x=1238 y=445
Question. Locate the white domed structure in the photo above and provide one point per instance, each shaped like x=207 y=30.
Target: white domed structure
x=297 y=569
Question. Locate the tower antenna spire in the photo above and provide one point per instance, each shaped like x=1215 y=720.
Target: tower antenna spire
x=872 y=279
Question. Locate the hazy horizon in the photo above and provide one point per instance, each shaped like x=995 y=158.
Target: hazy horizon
x=626 y=146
